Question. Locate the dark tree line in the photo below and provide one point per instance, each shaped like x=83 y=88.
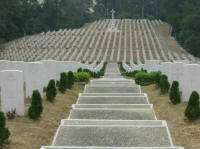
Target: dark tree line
x=22 y=17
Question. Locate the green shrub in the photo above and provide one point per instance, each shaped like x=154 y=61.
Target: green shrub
x=83 y=77
x=4 y=132
x=36 y=108
x=70 y=80
x=143 y=78
x=63 y=82
x=174 y=93
x=193 y=108
x=79 y=70
x=51 y=91
x=76 y=79
x=157 y=77
x=164 y=84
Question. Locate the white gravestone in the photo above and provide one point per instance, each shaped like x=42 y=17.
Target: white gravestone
x=49 y=70
x=12 y=91
x=191 y=73
x=33 y=76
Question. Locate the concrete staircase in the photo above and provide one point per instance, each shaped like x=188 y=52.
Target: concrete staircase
x=112 y=113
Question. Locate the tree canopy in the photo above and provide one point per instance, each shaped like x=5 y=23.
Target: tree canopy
x=25 y=17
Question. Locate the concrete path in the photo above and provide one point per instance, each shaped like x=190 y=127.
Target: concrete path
x=112 y=113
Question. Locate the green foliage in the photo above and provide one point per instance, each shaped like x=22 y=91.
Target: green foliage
x=79 y=70
x=63 y=82
x=51 y=91
x=143 y=78
x=22 y=17
x=157 y=76
x=70 y=80
x=36 y=108
x=131 y=74
x=193 y=108
x=4 y=132
x=83 y=77
x=164 y=84
x=175 y=93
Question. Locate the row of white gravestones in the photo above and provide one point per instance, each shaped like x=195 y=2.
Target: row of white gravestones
x=35 y=75
x=55 y=39
x=186 y=74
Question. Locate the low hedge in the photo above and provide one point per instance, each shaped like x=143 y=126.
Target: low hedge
x=82 y=76
x=143 y=78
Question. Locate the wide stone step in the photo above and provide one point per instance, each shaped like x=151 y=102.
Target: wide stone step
x=119 y=80
x=113 y=82
x=113 y=85
x=114 y=122
x=111 y=94
x=64 y=147
x=116 y=136
x=112 y=89
x=113 y=114
x=112 y=106
x=112 y=75
x=113 y=100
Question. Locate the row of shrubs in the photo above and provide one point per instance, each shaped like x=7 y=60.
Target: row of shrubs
x=36 y=108
x=144 y=78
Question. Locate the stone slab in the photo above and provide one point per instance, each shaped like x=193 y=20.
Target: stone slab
x=113 y=114
x=112 y=136
x=113 y=85
x=112 y=94
x=113 y=100
x=112 y=75
x=12 y=91
x=69 y=147
x=112 y=89
x=114 y=122
x=112 y=106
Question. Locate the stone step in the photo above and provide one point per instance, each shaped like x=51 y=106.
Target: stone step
x=65 y=147
x=116 y=136
x=113 y=114
x=112 y=80
x=112 y=89
x=112 y=75
x=111 y=94
x=113 y=122
x=113 y=100
x=112 y=106
x=112 y=85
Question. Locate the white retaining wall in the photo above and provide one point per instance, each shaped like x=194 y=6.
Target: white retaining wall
x=186 y=74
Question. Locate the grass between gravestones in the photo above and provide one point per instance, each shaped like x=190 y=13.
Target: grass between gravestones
x=31 y=134
x=184 y=132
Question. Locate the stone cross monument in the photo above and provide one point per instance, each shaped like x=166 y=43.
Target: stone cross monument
x=112 y=21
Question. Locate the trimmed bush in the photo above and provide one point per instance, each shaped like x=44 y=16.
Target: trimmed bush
x=83 y=77
x=157 y=77
x=174 y=93
x=4 y=132
x=143 y=78
x=70 y=80
x=36 y=108
x=51 y=91
x=164 y=84
x=63 y=82
x=79 y=70
x=193 y=108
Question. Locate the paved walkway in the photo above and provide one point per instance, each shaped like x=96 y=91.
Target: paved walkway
x=112 y=113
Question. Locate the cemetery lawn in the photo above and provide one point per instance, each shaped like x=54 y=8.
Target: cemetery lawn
x=184 y=133
x=30 y=134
